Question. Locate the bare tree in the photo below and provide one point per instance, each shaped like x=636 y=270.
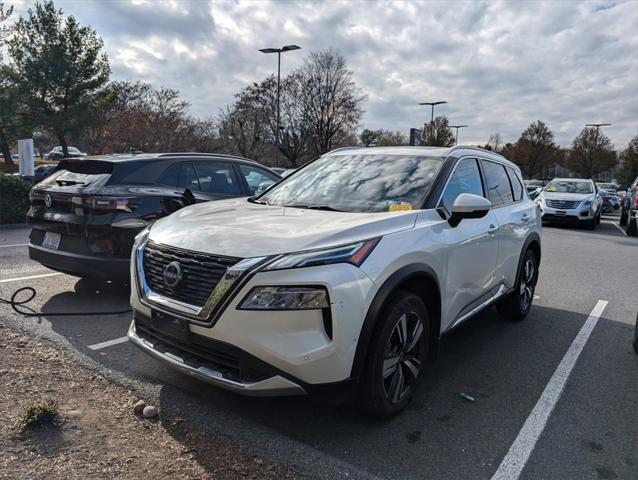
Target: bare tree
x=592 y=153
x=332 y=103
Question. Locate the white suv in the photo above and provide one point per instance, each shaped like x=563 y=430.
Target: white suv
x=344 y=274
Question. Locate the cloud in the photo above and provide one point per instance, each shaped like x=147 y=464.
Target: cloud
x=500 y=65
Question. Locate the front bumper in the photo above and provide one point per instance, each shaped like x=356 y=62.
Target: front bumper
x=574 y=215
x=210 y=371
x=298 y=343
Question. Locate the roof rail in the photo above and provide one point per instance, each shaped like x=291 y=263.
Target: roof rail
x=205 y=154
x=471 y=147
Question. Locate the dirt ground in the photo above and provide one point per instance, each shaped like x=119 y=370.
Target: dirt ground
x=98 y=435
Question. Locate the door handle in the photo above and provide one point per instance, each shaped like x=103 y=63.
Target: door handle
x=525 y=217
x=493 y=228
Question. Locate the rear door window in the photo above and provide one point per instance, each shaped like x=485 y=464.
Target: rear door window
x=180 y=175
x=217 y=178
x=517 y=188
x=499 y=191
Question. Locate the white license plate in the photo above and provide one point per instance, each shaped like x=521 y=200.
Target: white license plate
x=51 y=240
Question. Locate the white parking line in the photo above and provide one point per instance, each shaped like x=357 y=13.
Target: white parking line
x=520 y=451
x=30 y=277
x=15 y=245
x=108 y=343
x=618 y=227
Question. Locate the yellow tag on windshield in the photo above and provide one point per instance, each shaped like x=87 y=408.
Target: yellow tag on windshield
x=397 y=207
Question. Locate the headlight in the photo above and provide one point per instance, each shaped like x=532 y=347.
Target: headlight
x=354 y=253
x=286 y=298
x=586 y=203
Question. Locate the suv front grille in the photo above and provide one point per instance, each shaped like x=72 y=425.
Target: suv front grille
x=562 y=204
x=201 y=272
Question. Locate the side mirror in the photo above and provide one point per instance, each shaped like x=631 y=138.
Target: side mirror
x=468 y=205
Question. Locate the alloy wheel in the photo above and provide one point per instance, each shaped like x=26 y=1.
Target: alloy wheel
x=527 y=284
x=402 y=359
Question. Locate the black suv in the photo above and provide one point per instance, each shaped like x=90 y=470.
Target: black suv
x=86 y=215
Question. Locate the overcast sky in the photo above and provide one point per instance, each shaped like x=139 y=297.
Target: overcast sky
x=500 y=65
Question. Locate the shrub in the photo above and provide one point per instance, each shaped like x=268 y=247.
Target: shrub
x=14 y=199
x=40 y=414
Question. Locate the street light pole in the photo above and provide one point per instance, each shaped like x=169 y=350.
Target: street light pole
x=456 y=142
x=432 y=104
x=279 y=51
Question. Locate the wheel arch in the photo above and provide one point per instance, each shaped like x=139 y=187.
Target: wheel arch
x=533 y=243
x=417 y=278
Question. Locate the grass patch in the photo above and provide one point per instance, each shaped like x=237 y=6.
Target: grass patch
x=39 y=415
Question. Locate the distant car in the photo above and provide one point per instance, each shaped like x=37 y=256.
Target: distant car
x=629 y=210
x=611 y=202
x=608 y=187
x=571 y=200
x=85 y=216
x=58 y=154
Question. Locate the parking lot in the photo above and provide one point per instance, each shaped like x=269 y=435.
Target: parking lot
x=524 y=421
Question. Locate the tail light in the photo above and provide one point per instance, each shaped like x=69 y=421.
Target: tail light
x=105 y=203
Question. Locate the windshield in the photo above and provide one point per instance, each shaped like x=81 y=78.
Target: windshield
x=569 y=186
x=358 y=183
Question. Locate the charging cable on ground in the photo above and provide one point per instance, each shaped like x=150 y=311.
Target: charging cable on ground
x=15 y=304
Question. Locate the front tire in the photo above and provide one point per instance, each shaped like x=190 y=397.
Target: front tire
x=623 y=217
x=396 y=356
x=517 y=304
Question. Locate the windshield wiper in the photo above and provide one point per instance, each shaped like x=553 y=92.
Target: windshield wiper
x=254 y=200
x=326 y=208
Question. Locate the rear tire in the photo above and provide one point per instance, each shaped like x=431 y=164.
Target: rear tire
x=396 y=356
x=517 y=304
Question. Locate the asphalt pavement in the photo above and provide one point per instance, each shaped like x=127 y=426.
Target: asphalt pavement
x=554 y=396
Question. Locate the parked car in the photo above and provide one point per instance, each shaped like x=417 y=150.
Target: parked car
x=58 y=154
x=629 y=210
x=571 y=200
x=341 y=276
x=86 y=215
x=608 y=187
x=610 y=201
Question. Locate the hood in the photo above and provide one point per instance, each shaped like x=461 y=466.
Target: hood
x=238 y=228
x=566 y=196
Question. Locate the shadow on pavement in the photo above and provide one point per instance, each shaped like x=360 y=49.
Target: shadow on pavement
x=504 y=366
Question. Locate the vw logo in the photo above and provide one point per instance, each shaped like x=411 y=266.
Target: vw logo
x=172 y=274
x=48 y=201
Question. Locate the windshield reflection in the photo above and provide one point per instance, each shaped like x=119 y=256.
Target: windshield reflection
x=358 y=183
